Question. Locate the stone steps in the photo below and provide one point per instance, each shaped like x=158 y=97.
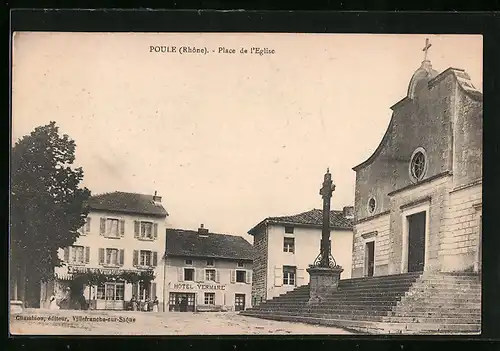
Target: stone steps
x=369 y=327
x=406 y=303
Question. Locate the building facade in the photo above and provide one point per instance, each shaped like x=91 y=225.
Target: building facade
x=205 y=271
x=418 y=197
x=286 y=246
x=123 y=237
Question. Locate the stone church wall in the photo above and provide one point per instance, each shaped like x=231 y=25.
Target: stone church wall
x=460 y=241
x=381 y=225
x=435 y=194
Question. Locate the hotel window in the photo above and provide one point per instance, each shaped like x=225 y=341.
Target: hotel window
x=289 y=245
x=112 y=228
x=77 y=254
x=289 y=229
x=289 y=274
x=147 y=230
x=85 y=229
x=210 y=263
x=101 y=292
x=209 y=298
x=241 y=276
x=189 y=274
x=189 y=262
x=240 y=264
x=112 y=256
x=145 y=258
x=210 y=275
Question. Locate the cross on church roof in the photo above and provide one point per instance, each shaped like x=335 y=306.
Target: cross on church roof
x=426 y=48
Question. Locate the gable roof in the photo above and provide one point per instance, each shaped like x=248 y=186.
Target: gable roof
x=119 y=201
x=189 y=243
x=465 y=84
x=312 y=218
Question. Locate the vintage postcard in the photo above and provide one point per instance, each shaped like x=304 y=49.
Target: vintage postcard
x=245 y=183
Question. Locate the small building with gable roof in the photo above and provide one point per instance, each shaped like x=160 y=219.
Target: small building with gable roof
x=206 y=271
x=285 y=247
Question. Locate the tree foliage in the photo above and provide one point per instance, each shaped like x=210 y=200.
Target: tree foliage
x=47 y=204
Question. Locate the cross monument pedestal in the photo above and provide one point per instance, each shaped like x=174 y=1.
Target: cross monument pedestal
x=324 y=272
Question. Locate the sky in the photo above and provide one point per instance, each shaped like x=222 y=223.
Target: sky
x=226 y=139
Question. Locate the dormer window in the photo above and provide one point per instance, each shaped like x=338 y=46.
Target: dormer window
x=210 y=263
x=289 y=229
x=189 y=262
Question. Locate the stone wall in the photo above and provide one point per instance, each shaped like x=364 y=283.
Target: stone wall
x=435 y=193
x=461 y=235
x=381 y=225
x=259 y=284
x=425 y=121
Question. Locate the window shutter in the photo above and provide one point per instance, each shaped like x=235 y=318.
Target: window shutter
x=103 y=226
x=87 y=254
x=101 y=256
x=136 y=258
x=278 y=276
x=155 y=230
x=153 y=290
x=217 y=276
x=87 y=225
x=122 y=228
x=248 y=277
x=137 y=226
x=180 y=274
x=134 y=290
x=66 y=254
x=122 y=257
x=155 y=258
x=233 y=276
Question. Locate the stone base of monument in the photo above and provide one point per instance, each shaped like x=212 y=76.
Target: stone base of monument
x=16 y=306
x=323 y=282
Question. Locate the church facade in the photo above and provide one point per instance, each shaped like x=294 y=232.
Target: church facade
x=418 y=197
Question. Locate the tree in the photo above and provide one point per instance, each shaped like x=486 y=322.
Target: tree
x=47 y=205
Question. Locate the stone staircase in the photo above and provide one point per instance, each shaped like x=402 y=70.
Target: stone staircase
x=411 y=303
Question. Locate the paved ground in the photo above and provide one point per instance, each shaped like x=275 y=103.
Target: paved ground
x=140 y=323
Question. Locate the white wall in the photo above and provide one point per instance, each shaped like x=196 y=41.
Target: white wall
x=128 y=243
x=307 y=246
x=224 y=288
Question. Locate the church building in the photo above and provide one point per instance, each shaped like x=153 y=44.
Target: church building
x=418 y=196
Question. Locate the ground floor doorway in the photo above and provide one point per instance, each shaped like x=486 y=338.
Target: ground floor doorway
x=110 y=296
x=181 y=302
x=239 y=302
x=370 y=258
x=416 y=242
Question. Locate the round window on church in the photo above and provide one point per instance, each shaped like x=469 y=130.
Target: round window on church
x=372 y=205
x=418 y=165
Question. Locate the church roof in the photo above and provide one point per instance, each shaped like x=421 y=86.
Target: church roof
x=430 y=78
x=190 y=243
x=133 y=203
x=312 y=218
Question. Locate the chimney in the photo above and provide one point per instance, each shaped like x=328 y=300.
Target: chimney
x=202 y=230
x=156 y=198
x=348 y=212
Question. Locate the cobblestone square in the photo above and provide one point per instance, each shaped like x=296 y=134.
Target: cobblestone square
x=140 y=323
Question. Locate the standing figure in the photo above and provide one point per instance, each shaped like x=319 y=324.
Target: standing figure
x=133 y=303
x=184 y=304
x=146 y=305
x=155 y=304
x=53 y=303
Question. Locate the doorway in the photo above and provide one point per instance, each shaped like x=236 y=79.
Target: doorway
x=181 y=302
x=416 y=242
x=370 y=258
x=239 y=302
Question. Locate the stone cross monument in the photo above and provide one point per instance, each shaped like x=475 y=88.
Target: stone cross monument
x=324 y=272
